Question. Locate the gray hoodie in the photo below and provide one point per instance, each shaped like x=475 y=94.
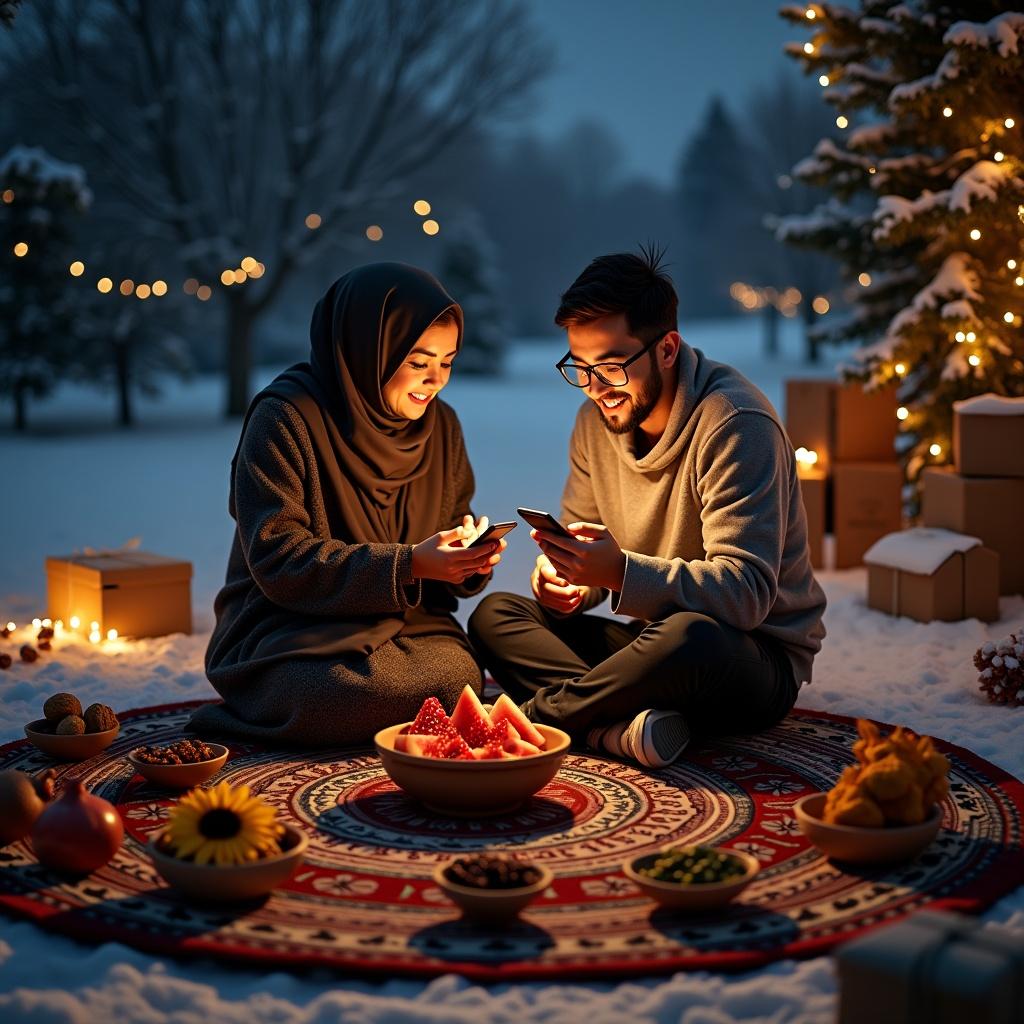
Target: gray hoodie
x=711 y=519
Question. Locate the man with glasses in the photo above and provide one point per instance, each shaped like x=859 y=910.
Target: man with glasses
x=683 y=505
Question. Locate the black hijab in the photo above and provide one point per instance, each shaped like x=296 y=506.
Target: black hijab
x=381 y=478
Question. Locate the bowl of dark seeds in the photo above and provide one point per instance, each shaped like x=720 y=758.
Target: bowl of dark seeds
x=491 y=887
x=179 y=765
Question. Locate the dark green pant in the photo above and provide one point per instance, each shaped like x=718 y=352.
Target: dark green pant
x=585 y=670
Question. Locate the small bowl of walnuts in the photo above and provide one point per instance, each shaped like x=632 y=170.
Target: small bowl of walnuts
x=67 y=732
x=180 y=765
x=491 y=887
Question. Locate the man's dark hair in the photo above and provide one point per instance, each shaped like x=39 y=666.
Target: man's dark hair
x=623 y=283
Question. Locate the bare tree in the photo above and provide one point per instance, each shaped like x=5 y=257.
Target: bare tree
x=222 y=125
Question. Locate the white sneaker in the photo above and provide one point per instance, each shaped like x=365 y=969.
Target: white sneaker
x=654 y=738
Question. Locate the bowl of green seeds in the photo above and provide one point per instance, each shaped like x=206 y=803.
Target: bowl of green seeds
x=692 y=878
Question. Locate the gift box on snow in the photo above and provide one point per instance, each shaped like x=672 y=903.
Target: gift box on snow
x=988 y=436
x=928 y=574
x=933 y=968
x=135 y=592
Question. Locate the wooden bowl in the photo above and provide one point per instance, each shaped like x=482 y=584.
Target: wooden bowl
x=472 y=788
x=70 y=748
x=693 y=896
x=180 y=776
x=491 y=906
x=860 y=845
x=225 y=883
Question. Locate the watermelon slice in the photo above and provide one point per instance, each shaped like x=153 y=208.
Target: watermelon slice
x=521 y=748
x=470 y=718
x=410 y=744
x=431 y=720
x=489 y=752
x=505 y=708
x=450 y=747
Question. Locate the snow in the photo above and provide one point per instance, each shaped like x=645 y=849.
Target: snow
x=990 y=404
x=45 y=171
x=920 y=550
x=77 y=481
x=1005 y=31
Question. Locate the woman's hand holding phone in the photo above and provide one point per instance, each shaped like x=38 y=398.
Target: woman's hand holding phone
x=446 y=555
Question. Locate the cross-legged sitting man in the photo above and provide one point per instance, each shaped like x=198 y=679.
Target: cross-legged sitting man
x=682 y=504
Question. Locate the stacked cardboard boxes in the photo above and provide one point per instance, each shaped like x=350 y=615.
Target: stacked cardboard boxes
x=983 y=493
x=855 y=487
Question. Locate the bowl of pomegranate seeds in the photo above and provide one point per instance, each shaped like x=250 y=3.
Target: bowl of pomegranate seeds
x=477 y=761
x=179 y=765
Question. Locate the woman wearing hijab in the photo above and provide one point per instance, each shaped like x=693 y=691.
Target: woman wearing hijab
x=350 y=491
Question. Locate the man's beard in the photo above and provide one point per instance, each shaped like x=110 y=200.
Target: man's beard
x=641 y=406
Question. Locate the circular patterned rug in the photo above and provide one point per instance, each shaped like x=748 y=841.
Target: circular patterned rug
x=363 y=901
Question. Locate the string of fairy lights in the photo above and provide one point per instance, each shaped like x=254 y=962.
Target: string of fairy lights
x=248 y=269
x=787 y=301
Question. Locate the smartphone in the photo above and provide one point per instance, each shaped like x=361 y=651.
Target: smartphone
x=543 y=521
x=495 y=531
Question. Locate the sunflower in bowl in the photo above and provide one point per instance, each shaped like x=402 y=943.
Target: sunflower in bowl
x=222 y=826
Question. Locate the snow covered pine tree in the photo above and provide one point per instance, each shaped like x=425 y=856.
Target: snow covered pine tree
x=926 y=191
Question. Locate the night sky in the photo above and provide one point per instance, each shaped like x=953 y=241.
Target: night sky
x=647 y=68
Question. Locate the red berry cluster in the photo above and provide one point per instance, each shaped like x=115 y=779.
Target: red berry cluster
x=1001 y=665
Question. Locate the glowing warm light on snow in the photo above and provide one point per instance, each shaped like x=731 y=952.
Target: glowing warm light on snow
x=313 y=221
x=203 y=292
x=1018 y=281
x=1008 y=317
x=75 y=621
x=247 y=264
x=998 y=157
x=143 y=291
x=971 y=337
x=190 y=287
x=823 y=80
x=936 y=449
x=810 y=14
x=820 y=305
x=806 y=456
x=974 y=359
x=127 y=286
x=94 y=626
x=808 y=47
x=112 y=633
x=36 y=623
x=227 y=278
x=94 y=636
x=240 y=276
x=21 y=248
x=104 y=284
x=947 y=111
x=841 y=121
x=900 y=368
x=1012 y=264
x=975 y=234
x=864 y=279
x=902 y=412
x=374 y=233
x=431 y=227
x=258 y=270
x=960 y=336
x=1009 y=122
x=77 y=269
x=422 y=207
x=8 y=195
x=159 y=288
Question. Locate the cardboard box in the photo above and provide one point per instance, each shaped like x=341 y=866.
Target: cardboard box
x=988 y=436
x=865 y=425
x=810 y=414
x=990 y=508
x=137 y=593
x=964 y=584
x=867 y=505
x=813 y=484
x=933 y=968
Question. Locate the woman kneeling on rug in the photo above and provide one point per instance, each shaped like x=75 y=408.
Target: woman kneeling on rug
x=350 y=491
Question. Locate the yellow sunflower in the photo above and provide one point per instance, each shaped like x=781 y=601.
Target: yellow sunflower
x=223 y=826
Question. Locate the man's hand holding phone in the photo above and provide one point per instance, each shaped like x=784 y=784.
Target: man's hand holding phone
x=586 y=555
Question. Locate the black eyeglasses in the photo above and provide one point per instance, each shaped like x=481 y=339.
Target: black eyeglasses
x=612 y=374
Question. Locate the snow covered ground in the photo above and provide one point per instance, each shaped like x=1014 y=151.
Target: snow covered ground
x=77 y=481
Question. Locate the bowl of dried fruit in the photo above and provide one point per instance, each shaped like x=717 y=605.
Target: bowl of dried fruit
x=223 y=844
x=179 y=765
x=491 y=887
x=478 y=761
x=692 y=878
x=67 y=732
